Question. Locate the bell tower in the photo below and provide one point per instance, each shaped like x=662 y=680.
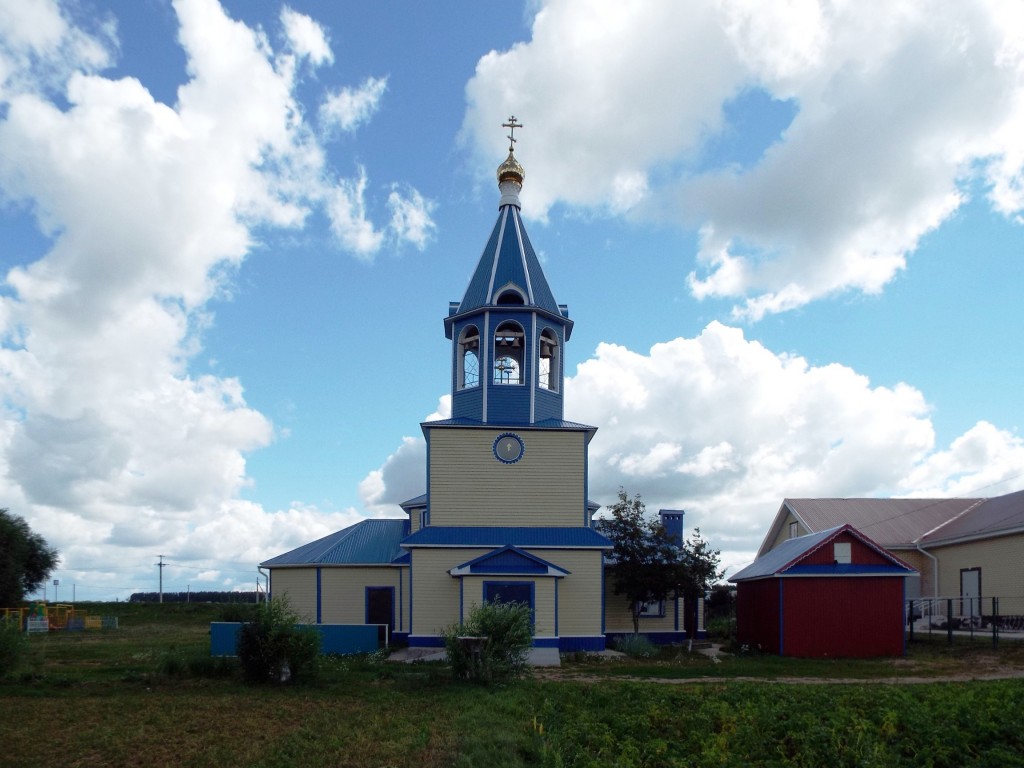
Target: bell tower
x=508 y=333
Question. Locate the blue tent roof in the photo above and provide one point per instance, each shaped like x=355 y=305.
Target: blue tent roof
x=368 y=542
x=508 y=258
x=495 y=536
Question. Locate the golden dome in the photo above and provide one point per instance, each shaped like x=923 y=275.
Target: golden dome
x=511 y=170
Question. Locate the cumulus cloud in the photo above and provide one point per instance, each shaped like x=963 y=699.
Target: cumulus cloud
x=898 y=115
x=306 y=37
x=108 y=441
x=725 y=428
x=349 y=108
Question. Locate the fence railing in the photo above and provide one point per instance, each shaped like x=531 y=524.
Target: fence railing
x=966 y=615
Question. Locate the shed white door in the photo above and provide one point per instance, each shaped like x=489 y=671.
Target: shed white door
x=970 y=592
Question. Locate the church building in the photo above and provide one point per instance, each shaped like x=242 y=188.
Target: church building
x=505 y=515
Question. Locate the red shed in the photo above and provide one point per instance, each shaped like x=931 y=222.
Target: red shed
x=832 y=593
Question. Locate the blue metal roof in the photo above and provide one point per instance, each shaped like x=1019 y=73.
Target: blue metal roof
x=368 y=542
x=776 y=559
x=495 y=536
x=415 y=502
x=509 y=560
x=508 y=258
x=550 y=424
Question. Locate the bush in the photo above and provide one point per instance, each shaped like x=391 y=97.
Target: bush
x=12 y=643
x=506 y=638
x=636 y=646
x=272 y=648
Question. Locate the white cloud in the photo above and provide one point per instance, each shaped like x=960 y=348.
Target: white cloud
x=725 y=428
x=108 y=442
x=349 y=108
x=306 y=37
x=899 y=111
x=40 y=48
x=410 y=217
x=346 y=206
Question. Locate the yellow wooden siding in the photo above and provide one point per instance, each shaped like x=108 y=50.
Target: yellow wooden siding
x=923 y=565
x=298 y=586
x=343 y=592
x=1002 y=570
x=435 y=594
x=414 y=520
x=468 y=486
x=618 y=618
x=783 y=535
x=579 y=593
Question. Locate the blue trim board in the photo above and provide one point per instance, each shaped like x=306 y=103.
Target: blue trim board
x=556 y=607
x=462 y=584
x=844 y=569
x=319 y=593
x=675 y=610
x=410 y=589
x=425 y=641
x=400 y=603
x=572 y=644
x=545 y=642
x=399 y=638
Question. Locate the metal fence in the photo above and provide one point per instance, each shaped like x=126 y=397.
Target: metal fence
x=960 y=615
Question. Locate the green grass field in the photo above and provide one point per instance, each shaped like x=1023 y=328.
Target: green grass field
x=148 y=694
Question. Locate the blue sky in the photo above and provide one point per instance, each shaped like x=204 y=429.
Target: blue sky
x=789 y=237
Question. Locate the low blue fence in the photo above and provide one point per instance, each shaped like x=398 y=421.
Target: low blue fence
x=334 y=638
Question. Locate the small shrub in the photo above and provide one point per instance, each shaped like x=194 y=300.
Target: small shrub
x=636 y=646
x=271 y=648
x=12 y=644
x=507 y=637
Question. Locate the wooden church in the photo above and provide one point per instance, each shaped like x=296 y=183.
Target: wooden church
x=506 y=515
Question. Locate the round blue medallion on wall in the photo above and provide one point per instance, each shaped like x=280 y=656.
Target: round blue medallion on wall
x=509 y=448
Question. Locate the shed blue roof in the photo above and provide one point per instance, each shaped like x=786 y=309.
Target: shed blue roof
x=495 y=536
x=368 y=542
x=785 y=558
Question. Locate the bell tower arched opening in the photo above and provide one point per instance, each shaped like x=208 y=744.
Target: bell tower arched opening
x=508 y=353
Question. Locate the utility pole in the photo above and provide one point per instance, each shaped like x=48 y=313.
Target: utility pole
x=161 y=566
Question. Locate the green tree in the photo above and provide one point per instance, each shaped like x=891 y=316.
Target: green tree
x=648 y=565
x=26 y=560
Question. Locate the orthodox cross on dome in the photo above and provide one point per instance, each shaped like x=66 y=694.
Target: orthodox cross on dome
x=512 y=124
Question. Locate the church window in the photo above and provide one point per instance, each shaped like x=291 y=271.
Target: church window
x=469 y=357
x=547 y=362
x=511 y=296
x=508 y=354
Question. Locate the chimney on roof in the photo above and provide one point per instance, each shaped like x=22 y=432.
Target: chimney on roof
x=672 y=522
